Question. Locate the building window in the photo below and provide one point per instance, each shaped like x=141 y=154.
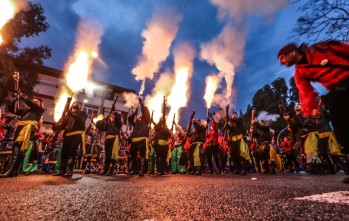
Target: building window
x=89 y=109
x=109 y=94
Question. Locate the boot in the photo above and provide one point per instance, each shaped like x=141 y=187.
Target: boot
x=243 y=168
x=105 y=170
x=198 y=171
x=62 y=168
x=272 y=167
x=70 y=171
x=265 y=167
x=111 y=170
x=343 y=164
x=16 y=162
x=141 y=168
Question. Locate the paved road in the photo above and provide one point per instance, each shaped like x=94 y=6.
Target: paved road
x=173 y=197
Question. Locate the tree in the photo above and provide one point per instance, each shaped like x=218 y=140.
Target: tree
x=292 y=97
x=27 y=23
x=267 y=99
x=323 y=19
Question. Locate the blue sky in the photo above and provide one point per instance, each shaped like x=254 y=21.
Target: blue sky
x=201 y=21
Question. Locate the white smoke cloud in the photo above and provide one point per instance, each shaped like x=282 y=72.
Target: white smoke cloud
x=226 y=51
x=263 y=115
x=241 y=8
x=131 y=100
x=218 y=115
x=158 y=36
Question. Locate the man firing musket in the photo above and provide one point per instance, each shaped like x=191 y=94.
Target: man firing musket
x=30 y=116
x=239 y=150
x=161 y=144
x=212 y=145
x=139 y=137
x=73 y=124
x=111 y=125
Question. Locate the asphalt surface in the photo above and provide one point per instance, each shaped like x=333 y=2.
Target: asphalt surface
x=172 y=197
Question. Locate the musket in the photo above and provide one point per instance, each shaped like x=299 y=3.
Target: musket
x=173 y=122
x=164 y=111
x=253 y=112
x=91 y=121
x=207 y=118
x=289 y=121
x=16 y=94
x=112 y=109
x=60 y=123
x=226 y=121
x=190 y=123
x=151 y=118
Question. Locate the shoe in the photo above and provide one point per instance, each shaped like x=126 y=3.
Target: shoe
x=141 y=173
x=197 y=173
x=243 y=173
x=236 y=172
x=160 y=174
x=68 y=174
x=103 y=173
x=58 y=174
x=346 y=180
x=9 y=173
x=86 y=172
x=110 y=173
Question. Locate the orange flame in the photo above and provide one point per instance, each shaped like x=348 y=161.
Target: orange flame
x=7 y=11
x=212 y=82
x=155 y=103
x=62 y=99
x=178 y=97
x=99 y=117
x=77 y=75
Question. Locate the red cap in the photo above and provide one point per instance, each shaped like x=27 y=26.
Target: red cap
x=287 y=49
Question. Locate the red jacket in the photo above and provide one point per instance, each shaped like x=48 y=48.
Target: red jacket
x=320 y=57
x=286 y=146
x=212 y=135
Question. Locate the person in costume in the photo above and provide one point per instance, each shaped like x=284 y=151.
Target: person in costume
x=161 y=145
x=239 y=150
x=197 y=138
x=262 y=133
x=213 y=148
x=30 y=116
x=139 y=138
x=111 y=125
x=73 y=137
x=327 y=63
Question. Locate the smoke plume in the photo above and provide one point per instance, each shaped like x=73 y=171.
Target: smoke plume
x=158 y=36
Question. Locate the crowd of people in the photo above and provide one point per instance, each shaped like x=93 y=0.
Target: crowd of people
x=309 y=145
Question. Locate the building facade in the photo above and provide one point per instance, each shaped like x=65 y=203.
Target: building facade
x=97 y=100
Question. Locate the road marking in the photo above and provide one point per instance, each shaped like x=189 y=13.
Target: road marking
x=341 y=197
